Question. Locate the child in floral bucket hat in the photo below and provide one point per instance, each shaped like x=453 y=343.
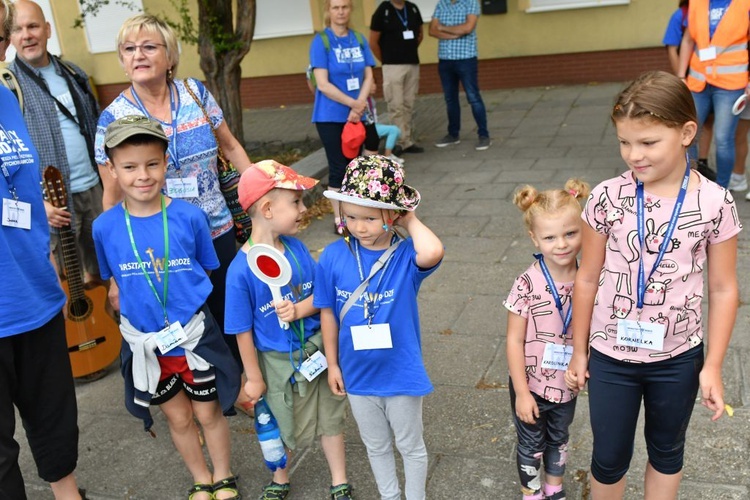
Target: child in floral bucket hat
x=366 y=288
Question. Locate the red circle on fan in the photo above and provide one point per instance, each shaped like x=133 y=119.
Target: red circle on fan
x=268 y=266
x=739 y=104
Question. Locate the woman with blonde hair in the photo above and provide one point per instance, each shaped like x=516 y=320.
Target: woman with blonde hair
x=148 y=52
x=342 y=65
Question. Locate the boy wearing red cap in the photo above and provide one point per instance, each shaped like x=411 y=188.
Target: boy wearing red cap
x=279 y=363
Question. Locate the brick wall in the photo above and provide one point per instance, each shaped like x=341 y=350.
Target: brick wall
x=604 y=66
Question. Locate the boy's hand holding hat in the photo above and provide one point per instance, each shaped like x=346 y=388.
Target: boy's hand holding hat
x=266 y=175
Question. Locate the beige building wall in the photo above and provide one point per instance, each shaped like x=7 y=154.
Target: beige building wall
x=639 y=24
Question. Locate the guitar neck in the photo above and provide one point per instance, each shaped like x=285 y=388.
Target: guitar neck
x=70 y=260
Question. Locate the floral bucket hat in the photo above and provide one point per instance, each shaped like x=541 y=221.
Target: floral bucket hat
x=378 y=182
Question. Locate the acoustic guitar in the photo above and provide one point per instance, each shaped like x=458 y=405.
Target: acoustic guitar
x=93 y=336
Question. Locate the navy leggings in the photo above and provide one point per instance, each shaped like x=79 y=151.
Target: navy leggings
x=668 y=389
x=547 y=438
x=330 y=136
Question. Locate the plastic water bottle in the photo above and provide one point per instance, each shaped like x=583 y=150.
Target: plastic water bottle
x=267 y=429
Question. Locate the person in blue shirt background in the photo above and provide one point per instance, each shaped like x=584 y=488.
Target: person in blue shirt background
x=342 y=65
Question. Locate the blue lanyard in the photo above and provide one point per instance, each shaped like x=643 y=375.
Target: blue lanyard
x=667 y=236
x=11 y=187
x=368 y=297
x=556 y=296
x=341 y=49
x=6 y=173
x=404 y=20
x=173 y=108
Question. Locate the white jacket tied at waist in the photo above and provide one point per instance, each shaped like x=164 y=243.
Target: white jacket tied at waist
x=146 y=369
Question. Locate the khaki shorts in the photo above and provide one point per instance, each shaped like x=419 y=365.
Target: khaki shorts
x=305 y=409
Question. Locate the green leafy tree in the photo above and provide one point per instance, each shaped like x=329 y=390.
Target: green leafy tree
x=223 y=37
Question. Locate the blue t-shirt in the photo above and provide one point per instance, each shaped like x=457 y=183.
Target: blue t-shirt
x=32 y=294
x=248 y=304
x=675 y=29
x=191 y=252
x=82 y=176
x=345 y=59
x=716 y=10
x=398 y=371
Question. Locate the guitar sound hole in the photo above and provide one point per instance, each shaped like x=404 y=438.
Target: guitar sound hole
x=80 y=309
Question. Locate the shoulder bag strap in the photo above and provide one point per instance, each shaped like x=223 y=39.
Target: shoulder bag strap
x=220 y=153
x=361 y=288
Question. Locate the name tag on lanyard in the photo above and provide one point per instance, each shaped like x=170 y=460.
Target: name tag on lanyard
x=408 y=35
x=375 y=336
x=182 y=187
x=352 y=83
x=313 y=366
x=16 y=214
x=640 y=334
x=557 y=356
x=170 y=337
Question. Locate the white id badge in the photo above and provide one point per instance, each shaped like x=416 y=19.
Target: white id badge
x=16 y=214
x=557 y=356
x=408 y=35
x=313 y=366
x=378 y=336
x=352 y=84
x=707 y=54
x=182 y=187
x=170 y=337
x=640 y=334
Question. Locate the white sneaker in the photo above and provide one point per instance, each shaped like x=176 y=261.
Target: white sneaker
x=737 y=182
x=397 y=159
x=747 y=196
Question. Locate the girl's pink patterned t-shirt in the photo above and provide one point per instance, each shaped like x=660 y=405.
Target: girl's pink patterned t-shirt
x=531 y=299
x=674 y=292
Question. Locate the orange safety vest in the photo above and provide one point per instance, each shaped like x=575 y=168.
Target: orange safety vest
x=728 y=70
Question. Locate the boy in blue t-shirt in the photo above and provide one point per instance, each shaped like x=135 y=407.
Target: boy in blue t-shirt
x=156 y=251
x=284 y=365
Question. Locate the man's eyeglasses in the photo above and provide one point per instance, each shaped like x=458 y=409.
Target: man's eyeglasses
x=148 y=49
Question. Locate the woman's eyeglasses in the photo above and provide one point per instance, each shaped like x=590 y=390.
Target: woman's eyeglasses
x=147 y=49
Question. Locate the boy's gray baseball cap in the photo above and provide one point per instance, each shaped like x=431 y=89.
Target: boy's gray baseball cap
x=128 y=126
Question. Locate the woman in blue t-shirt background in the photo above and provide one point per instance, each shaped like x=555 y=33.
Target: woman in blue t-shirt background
x=342 y=64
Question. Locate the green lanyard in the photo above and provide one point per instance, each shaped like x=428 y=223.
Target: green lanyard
x=300 y=331
x=162 y=303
